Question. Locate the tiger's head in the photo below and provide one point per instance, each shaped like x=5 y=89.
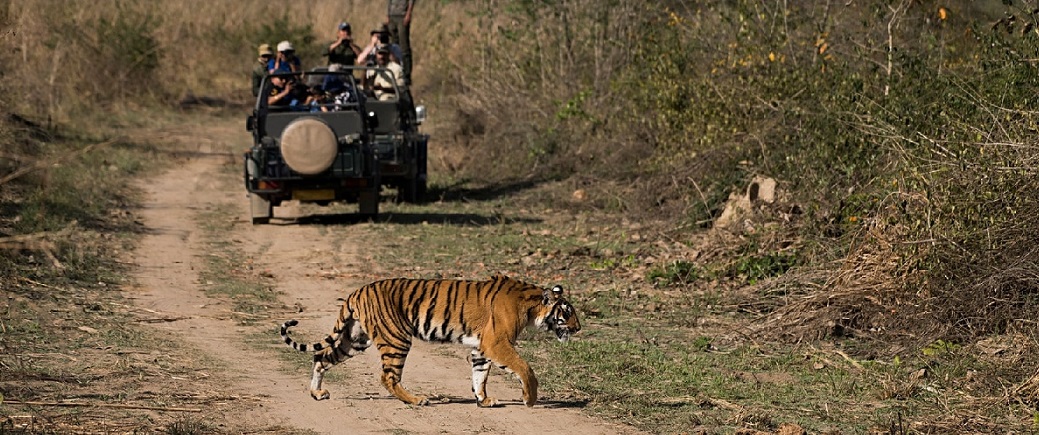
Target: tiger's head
x=558 y=315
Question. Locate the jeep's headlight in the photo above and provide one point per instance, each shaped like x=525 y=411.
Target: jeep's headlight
x=420 y=114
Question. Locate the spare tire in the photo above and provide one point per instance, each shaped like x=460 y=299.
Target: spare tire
x=308 y=146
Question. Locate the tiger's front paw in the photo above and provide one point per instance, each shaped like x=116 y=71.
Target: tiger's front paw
x=319 y=394
x=421 y=401
x=488 y=402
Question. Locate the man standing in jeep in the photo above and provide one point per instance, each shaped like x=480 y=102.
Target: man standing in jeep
x=398 y=20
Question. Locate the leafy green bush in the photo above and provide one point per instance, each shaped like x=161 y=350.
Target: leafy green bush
x=753 y=268
x=673 y=273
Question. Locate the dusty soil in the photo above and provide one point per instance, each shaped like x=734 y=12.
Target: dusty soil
x=272 y=393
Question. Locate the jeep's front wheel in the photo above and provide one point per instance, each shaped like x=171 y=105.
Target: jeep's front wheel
x=260 y=209
x=412 y=190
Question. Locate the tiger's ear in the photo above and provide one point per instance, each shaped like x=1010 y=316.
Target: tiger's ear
x=549 y=297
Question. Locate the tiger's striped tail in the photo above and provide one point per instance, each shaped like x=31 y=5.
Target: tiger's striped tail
x=329 y=341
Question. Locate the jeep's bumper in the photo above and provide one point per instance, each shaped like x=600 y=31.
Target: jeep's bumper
x=353 y=172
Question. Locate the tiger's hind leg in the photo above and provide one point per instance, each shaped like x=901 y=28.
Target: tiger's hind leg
x=393 y=358
x=353 y=344
x=481 y=366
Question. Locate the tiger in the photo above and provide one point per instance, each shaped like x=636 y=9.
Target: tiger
x=484 y=315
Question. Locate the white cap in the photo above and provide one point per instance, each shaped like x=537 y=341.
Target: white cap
x=285 y=46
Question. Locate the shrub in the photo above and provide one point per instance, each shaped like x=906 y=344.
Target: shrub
x=673 y=273
x=124 y=53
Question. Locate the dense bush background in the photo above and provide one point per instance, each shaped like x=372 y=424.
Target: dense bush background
x=904 y=133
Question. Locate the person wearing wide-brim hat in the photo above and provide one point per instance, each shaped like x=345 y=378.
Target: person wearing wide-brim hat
x=260 y=69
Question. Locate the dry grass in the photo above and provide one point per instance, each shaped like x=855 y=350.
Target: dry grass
x=869 y=294
x=203 y=47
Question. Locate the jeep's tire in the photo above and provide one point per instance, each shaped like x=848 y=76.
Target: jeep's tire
x=308 y=146
x=406 y=191
x=260 y=209
x=412 y=190
x=420 y=190
x=369 y=203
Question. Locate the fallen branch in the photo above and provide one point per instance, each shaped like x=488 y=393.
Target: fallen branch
x=45 y=163
x=164 y=319
x=41 y=241
x=849 y=359
x=102 y=405
x=34 y=282
x=722 y=403
x=33 y=242
x=14 y=157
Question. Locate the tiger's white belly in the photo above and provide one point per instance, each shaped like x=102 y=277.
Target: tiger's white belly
x=471 y=340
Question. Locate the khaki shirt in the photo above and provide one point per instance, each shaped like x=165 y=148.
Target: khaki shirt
x=383 y=79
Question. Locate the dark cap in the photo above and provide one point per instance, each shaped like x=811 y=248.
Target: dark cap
x=384 y=48
x=380 y=29
x=344 y=26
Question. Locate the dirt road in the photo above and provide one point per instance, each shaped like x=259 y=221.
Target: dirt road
x=172 y=255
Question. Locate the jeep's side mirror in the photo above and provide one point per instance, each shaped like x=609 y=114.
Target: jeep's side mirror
x=373 y=119
x=420 y=114
x=250 y=123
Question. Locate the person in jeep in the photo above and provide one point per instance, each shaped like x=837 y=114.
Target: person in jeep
x=286 y=59
x=286 y=94
x=382 y=81
x=343 y=51
x=260 y=68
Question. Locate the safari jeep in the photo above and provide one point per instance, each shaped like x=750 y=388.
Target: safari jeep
x=330 y=141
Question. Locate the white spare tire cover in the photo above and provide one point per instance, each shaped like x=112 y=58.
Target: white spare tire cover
x=308 y=146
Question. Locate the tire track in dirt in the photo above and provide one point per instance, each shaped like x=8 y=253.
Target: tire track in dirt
x=171 y=256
